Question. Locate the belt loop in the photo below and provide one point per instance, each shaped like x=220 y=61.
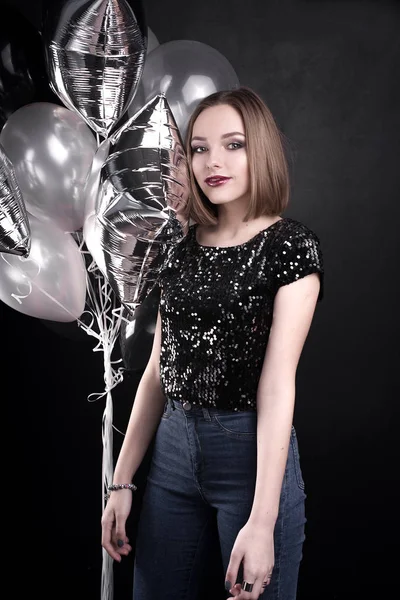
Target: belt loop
x=206 y=414
x=171 y=403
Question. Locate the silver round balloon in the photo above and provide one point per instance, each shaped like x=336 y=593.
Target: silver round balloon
x=51 y=282
x=152 y=41
x=185 y=71
x=51 y=149
x=144 y=184
x=95 y=54
x=15 y=235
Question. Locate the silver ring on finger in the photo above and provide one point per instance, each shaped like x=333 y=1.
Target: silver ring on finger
x=247 y=587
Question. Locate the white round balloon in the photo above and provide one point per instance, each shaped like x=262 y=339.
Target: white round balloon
x=51 y=149
x=185 y=71
x=51 y=282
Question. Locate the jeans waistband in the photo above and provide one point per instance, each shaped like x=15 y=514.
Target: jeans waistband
x=192 y=408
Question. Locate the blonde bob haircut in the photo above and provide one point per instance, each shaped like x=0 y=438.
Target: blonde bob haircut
x=268 y=168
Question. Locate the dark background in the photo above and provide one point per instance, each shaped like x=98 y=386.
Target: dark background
x=329 y=71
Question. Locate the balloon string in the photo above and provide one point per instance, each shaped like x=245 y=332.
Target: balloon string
x=107 y=477
x=102 y=310
x=102 y=305
x=107 y=577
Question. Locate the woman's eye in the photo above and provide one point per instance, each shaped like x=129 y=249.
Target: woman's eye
x=198 y=149
x=235 y=145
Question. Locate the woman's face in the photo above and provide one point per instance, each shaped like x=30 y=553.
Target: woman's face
x=219 y=157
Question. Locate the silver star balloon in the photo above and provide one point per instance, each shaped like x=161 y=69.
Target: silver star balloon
x=15 y=234
x=143 y=188
x=95 y=53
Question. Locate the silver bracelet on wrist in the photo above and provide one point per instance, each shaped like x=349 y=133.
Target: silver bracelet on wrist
x=119 y=486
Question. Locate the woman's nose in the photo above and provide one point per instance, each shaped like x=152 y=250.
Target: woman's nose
x=213 y=160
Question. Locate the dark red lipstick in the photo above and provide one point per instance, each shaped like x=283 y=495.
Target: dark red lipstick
x=216 y=180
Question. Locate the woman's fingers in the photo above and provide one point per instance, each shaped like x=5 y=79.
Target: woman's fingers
x=236 y=590
x=120 y=540
x=116 y=543
x=106 y=537
x=265 y=583
x=124 y=549
x=257 y=590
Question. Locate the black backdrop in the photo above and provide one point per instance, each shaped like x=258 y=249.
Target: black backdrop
x=329 y=72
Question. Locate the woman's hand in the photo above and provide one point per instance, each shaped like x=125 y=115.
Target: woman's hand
x=113 y=521
x=254 y=546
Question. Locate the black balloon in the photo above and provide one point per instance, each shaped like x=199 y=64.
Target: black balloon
x=23 y=77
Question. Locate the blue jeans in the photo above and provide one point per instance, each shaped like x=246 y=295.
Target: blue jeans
x=201 y=480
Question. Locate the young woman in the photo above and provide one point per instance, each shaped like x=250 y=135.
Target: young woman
x=238 y=295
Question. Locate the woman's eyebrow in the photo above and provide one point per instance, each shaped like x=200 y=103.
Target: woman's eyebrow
x=226 y=135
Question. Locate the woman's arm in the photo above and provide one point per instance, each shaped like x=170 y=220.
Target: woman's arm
x=294 y=308
x=145 y=415
x=144 y=419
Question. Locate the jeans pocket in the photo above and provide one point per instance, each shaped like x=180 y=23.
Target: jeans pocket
x=296 y=459
x=167 y=411
x=240 y=425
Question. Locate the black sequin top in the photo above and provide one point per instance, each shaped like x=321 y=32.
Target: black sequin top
x=216 y=311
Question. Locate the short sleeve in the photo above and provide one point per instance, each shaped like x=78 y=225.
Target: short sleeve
x=298 y=256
